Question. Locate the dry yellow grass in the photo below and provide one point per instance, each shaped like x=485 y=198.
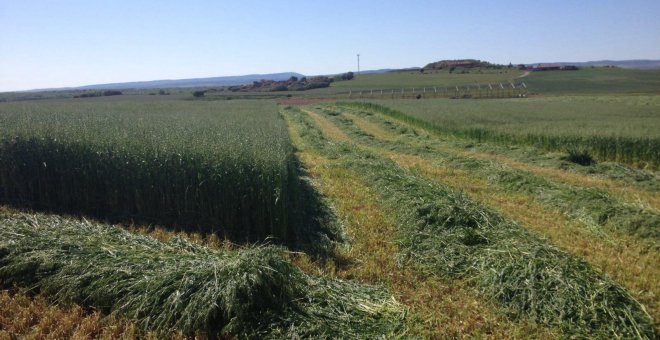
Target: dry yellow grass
x=329 y=129
x=445 y=309
x=371 y=128
x=23 y=316
x=26 y=317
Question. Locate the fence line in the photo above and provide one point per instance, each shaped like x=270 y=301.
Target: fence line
x=489 y=90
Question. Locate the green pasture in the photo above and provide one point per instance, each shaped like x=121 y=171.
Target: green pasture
x=617 y=128
x=410 y=79
x=592 y=81
x=625 y=116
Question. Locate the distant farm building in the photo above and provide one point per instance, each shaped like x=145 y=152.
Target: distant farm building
x=547 y=67
x=554 y=67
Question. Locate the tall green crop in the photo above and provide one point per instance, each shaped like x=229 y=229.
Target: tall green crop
x=223 y=167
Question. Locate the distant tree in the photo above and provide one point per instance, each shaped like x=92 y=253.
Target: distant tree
x=293 y=79
x=198 y=94
x=112 y=93
x=280 y=88
x=347 y=76
x=315 y=85
x=89 y=94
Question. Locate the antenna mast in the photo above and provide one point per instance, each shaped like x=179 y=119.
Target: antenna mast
x=358 y=57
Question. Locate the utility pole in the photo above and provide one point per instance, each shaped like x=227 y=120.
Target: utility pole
x=358 y=56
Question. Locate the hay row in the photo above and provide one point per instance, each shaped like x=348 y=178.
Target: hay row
x=252 y=292
x=444 y=232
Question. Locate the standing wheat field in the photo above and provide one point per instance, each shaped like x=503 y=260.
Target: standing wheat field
x=218 y=167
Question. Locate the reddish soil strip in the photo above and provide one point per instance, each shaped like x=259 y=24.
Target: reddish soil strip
x=304 y=101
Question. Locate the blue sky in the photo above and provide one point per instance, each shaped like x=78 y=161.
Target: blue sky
x=69 y=43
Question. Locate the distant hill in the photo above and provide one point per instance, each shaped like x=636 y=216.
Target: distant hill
x=192 y=82
x=363 y=72
x=408 y=69
x=379 y=71
x=639 y=64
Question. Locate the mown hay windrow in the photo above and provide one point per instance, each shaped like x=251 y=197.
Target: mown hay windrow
x=252 y=292
x=600 y=209
x=444 y=232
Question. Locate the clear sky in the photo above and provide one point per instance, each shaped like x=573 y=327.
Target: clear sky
x=70 y=43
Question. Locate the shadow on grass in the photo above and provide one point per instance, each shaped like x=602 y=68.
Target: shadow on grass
x=243 y=203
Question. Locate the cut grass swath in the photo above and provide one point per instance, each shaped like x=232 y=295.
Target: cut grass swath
x=444 y=232
x=252 y=292
x=592 y=205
